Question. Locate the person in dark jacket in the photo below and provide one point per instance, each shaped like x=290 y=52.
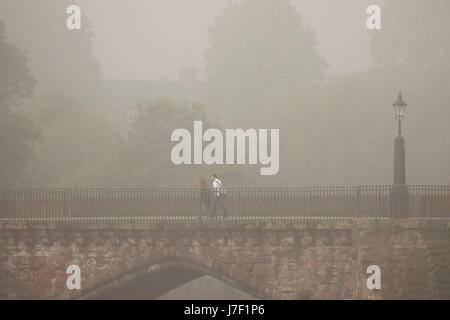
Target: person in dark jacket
x=205 y=199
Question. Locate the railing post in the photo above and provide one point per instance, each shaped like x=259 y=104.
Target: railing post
x=358 y=201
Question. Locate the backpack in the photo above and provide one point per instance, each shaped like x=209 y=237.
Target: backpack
x=222 y=190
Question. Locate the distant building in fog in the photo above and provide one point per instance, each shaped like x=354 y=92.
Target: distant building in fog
x=187 y=75
x=119 y=97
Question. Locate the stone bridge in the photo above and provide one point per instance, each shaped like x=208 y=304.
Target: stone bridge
x=273 y=259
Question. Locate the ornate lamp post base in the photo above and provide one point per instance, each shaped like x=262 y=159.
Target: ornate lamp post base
x=399 y=202
x=399 y=161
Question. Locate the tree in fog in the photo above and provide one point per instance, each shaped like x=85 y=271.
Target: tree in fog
x=76 y=138
x=60 y=59
x=16 y=80
x=261 y=53
x=265 y=70
x=75 y=132
x=17 y=133
x=414 y=34
x=144 y=157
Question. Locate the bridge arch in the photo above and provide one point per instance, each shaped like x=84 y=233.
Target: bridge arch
x=156 y=278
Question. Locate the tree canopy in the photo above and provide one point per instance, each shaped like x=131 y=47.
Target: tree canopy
x=414 y=34
x=60 y=59
x=260 y=51
x=17 y=133
x=16 y=80
x=143 y=158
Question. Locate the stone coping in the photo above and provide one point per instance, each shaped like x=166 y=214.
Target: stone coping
x=220 y=224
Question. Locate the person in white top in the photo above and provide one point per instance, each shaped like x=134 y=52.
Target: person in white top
x=219 y=196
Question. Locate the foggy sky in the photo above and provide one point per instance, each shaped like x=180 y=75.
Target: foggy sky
x=154 y=39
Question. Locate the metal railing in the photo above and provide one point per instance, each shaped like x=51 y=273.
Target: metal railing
x=170 y=202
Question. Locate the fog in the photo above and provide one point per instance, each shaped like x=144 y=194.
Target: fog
x=101 y=103
x=151 y=40
x=98 y=106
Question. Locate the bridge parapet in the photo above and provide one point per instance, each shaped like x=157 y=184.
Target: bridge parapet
x=175 y=203
x=223 y=224
x=268 y=259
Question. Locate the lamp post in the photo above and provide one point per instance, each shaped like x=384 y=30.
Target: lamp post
x=399 y=191
x=399 y=151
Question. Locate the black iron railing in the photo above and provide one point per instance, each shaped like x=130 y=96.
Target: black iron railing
x=280 y=202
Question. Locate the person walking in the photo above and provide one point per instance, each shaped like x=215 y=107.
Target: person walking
x=205 y=199
x=219 y=193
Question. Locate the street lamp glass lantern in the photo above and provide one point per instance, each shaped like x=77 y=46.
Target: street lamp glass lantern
x=399 y=107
